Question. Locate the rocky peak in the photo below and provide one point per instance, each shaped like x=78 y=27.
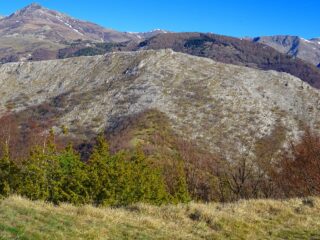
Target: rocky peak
x=305 y=49
x=146 y=35
x=33 y=6
x=283 y=41
x=39 y=22
x=30 y=9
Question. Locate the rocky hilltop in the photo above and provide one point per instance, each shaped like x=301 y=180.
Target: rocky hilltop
x=308 y=50
x=219 y=105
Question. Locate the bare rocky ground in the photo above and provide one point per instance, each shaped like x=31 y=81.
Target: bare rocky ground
x=222 y=107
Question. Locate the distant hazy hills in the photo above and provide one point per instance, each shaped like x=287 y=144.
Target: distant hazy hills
x=308 y=50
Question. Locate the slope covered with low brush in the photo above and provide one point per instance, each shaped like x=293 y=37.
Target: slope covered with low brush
x=224 y=108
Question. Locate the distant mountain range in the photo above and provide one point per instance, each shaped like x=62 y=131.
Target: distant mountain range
x=308 y=50
x=37 y=32
x=146 y=35
x=234 y=51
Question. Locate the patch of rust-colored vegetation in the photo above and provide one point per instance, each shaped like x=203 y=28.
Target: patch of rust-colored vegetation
x=270 y=146
x=141 y=128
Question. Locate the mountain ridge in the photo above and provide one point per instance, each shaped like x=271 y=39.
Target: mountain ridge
x=233 y=104
x=234 y=51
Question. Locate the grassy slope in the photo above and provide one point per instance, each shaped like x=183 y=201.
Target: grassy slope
x=255 y=219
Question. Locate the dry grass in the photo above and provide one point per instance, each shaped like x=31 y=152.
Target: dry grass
x=254 y=219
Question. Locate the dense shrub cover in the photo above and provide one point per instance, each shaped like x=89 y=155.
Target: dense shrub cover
x=106 y=179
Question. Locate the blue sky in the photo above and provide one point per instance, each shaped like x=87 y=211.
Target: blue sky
x=229 y=17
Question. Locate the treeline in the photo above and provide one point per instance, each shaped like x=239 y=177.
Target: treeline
x=164 y=169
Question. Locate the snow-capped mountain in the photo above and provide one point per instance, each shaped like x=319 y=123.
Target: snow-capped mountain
x=152 y=33
x=308 y=50
x=38 y=22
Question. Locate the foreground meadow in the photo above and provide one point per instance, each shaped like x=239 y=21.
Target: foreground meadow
x=253 y=219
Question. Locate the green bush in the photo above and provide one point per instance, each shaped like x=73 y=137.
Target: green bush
x=58 y=176
x=123 y=178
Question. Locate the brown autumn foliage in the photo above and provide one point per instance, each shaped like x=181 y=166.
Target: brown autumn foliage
x=9 y=135
x=202 y=170
x=299 y=168
x=20 y=135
